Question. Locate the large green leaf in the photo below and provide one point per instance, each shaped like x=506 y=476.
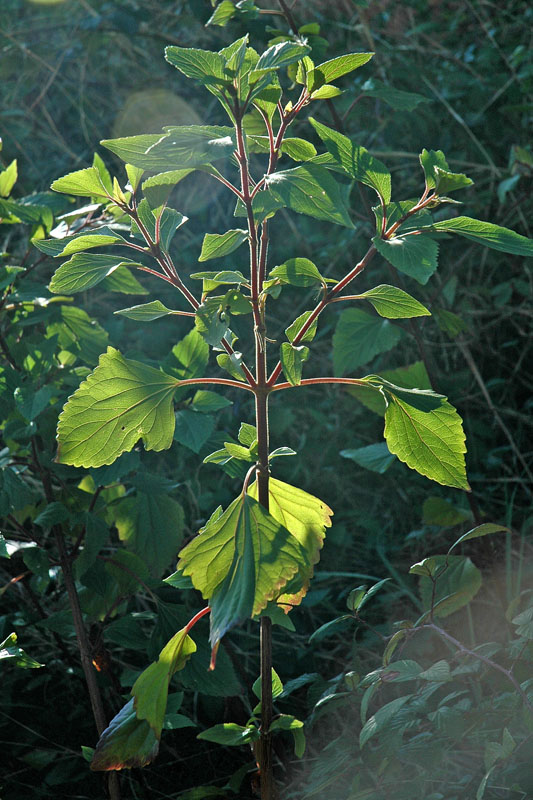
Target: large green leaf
x=310 y=189
x=216 y=245
x=78 y=242
x=200 y=65
x=179 y=148
x=394 y=303
x=428 y=436
x=127 y=742
x=85 y=270
x=292 y=360
x=239 y=561
x=146 y=312
x=297 y=272
x=280 y=55
x=413 y=255
x=83 y=183
x=307 y=518
x=119 y=403
x=359 y=337
x=355 y=160
x=335 y=68
x=151 y=526
x=488 y=234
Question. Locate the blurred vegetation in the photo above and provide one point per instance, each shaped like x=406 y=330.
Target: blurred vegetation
x=73 y=73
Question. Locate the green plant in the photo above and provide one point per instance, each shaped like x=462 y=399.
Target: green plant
x=256 y=558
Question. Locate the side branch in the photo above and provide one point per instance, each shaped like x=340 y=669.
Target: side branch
x=311 y=381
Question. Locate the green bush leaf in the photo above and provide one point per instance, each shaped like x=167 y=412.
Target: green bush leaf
x=335 y=68
x=121 y=402
x=295 y=327
x=146 y=312
x=481 y=530
x=488 y=234
x=216 y=245
x=292 y=360
x=396 y=98
x=374 y=457
x=82 y=183
x=8 y=178
x=297 y=272
x=432 y=441
x=415 y=256
x=78 y=242
x=240 y=560
x=382 y=719
x=230 y=734
x=393 y=303
x=203 y=66
x=222 y=14
x=355 y=161
x=429 y=160
x=127 y=742
x=85 y=270
x=280 y=55
x=457 y=583
x=311 y=190
x=10 y=651
x=359 y=337
x=193 y=429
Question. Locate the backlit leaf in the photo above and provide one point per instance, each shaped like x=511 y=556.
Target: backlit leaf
x=85 y=270
x=359 y=337
x=488 y=234
x=292 y=359
x=216 y=245
x=335 y=68
x=280 y=55
x=310 y=189
x=394 y=303
x=413 y=255
x=82 y=183
x=146 y=312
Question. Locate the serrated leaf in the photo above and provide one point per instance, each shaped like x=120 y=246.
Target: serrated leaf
x=280 y=55
x=381 y=719
x=82 y=183
x=240 y=560
x=446 y=182
x=216 y=245
x=146 y=312
x=311 y=190
x=232 y=364
x=85 y=270
x=203 y=66
x=359 y=337
x=292 y=360
x=121 y=402
x=335 y=68
x=413 y=255
x=326 y=92
x=355 y=160
x=374 y=457
x=488 y=234
x=297 y=272
x=429 y=159
x=394 y=303
x=431 y=442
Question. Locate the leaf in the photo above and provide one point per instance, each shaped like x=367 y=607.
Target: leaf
x=203 y=66
x=277 y=685
x=78 y=242
x=119 y=403
x=232 y=364
x=382 y=719
x=374 y=457
x=306 y=517
x=295 y=327
x=83 y=271
x=396 y=98
x=127 y=742
x=311 y=190
x=151 y=525
x=8 y=178
x=146 y=312
x=437 y=511
x=150 y=690
x=183 y=147
x=359 y=337
x=481 y=530
x=240 y=560
x=208 y=402
x=222 y=14
x=456 y=585
x=193 y=429
x=192 y=355
x=210 y=321
x=413 y=255
x=431 y=442
x=335 y=68
x=488 y=234
x=297 y=272
x=216 y=245
x=280 y=55
x=292 y=359
x=82 y=183
x=9 y=651
x=230 y=734
x=264 y=206
x=447 y=182
x=394 y=303
x=355 y=161
x=326 y=92
x=429 y=160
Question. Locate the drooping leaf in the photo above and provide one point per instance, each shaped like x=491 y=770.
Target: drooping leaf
x=292 y=360
x=121 y=402
x=78 y=242
x=355 y=161
x=240 y=560
x=311 y=190
x=413 y=255
x=432 y=441
x=82 y=183
x=127 y=742
x=216 y=245
x=458 y=581
x=398 y=99
x=481 y=530
x=151 y=526
x=295 y=327
x=394 y=303
x=411 y=377
x=10 y=651
x=375 y=457
x=230 y=734
x=222 y=14
x=335 y=68
x=146 y=312
x=359 y=337
x=85 y=270
x=488 y=234
x=382 y=719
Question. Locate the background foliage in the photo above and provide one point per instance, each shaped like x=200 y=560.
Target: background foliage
x=72 y=74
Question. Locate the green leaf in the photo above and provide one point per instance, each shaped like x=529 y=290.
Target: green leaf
x=306 y=517
x=232 y=364
x=326 y=92
x=85 y=270
x=216 y=245
x=311 y=190
x=431 y=442
x=230 y=734
x=146 y=312
x=429 y=160
x=127 y=742
x=83 y=183
x=210 y=321
x=481 y=530
x=355 y=161
x=240 y=560
x=150 y=690
x=382 y=719
x=192 y=355
x=8 y=178
x=203 y=66
x=277 y=685
x=208 y=402
x=292 y=359
x=447 y=182
x=264 y=206
x=359 y=337
x=9 y=651
x=151 y=526
x=394 y=303
x=280 y=55
x=335 y=68
x=374 y=457
x=295 y=327
x=397 y=211
x=222 y=14
x=4 y=552
x=396 y=98
x=134 y=176
x=193 y=429
x=457 y=583
x=78 y=242
x=488 y=234
x=119 y=403
x=437 y=511
x=179 y=148
x=413 y=255
x=297 y=272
